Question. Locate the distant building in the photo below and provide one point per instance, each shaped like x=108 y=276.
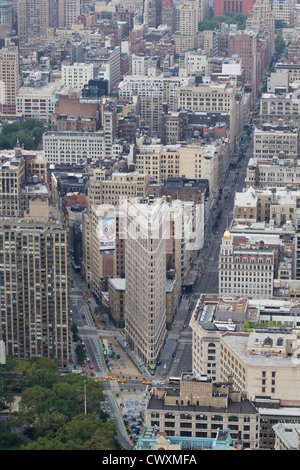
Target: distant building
x=283 y=10
x=145 y=297
x=18 y=167
x=9 y=78
x=189 y=17
x=263 y=362
x=236 y=6
x=199 y=407
x=38 y=102
x=195 y=161
x=153 y=439
x=287 y=436
x=68 y=12
x=270 y=141
x=77 y=75
x=34 y=18
x=34 y=284
x=116 y=291
x=59 y=147
x=2 y=352
x=283 y=108
x=245 y=269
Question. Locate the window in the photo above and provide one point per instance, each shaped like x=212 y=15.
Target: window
x=217 y=418
x=233 y=418
x=185 y=416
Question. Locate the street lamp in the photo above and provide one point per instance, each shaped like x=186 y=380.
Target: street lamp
x=84 y=388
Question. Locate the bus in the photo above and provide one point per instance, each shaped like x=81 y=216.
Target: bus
x=174 y=380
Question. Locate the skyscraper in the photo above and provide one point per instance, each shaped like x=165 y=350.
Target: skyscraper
x=68 y=12
x=34 y=18
x=188 y=26
x=9 y=78
x=34 y=285
x=262 y=21
x=244 y=44
x=145 y=260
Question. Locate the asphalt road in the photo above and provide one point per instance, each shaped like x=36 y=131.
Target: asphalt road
x=177 y=354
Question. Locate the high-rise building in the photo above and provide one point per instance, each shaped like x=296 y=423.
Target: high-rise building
x=188 y=25
x=212 y=97
x=68 y=12
x=251 y=271
x=34 y=284
x=145 y=259
x=199 y=407
x=283 y=10
x=72 y=147
x=77 y=75
x=189 y=17
x=6 y=15
x=168 y=14
x=153 y=91
x=34 y=18
x=261 y=20
x=9 y=78
x=152 y=13
x=104 y=195
x=244 y=45
x=234 y=6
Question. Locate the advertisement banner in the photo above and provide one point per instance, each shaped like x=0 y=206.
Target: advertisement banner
x=107 y=234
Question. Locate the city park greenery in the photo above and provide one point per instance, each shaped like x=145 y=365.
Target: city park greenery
x=56 y=411
x=28 y=133
x=233 y=18
x=229 y=17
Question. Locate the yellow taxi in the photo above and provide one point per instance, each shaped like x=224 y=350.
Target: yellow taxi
x=122 y=380
x=147 y=382
x=98 y=380
x=109 y=377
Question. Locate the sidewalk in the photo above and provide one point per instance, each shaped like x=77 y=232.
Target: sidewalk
x=119 y=368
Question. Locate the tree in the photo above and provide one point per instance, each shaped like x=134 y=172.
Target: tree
x=49 y=425
x=279 y=24
x=62 y=413
x=40 y=371
x=74 y=330
x=28 y=133
x=82 y=433
x=228 y=17
x=80 y=353
x=34 y=402
x=279 y=43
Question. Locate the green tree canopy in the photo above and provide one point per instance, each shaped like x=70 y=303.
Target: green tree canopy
x=279 y=43
x=228 y=17
x=67 y=416
x=82 y=433
x=28 y=133
x=65 y=398
x=39 y=371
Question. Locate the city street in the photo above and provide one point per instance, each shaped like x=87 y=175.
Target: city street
x=176 y=356
x=180 y=336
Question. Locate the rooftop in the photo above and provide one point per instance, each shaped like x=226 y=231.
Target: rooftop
x=242 y=407
x=239 y=343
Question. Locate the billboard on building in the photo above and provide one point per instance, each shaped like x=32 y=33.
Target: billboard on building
x=107 y=234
